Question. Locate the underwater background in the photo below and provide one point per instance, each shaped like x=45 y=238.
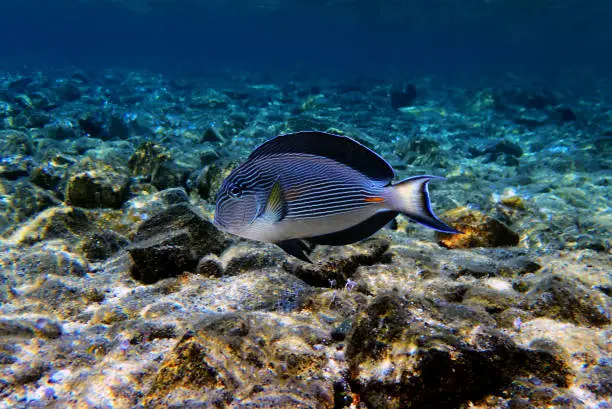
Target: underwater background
x=120 y=119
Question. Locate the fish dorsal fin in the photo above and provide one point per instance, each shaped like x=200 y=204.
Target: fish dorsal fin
x=275 y=209
x=336 y=147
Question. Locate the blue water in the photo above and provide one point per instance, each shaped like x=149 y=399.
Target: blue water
x=456 y=40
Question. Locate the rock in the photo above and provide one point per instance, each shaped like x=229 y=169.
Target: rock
x=399 y=358
x=209 y=180
x=479 y=230
x=118 y=128
x=29 y=328
x=212 y=135
x=302 y=122
x=98 y=246
x=61 y=132
x=210 y=266
x=405 y=98
x=42 y=262
x=69 y=92
x=243 y=360
x=36 y=119
x=29 y=372
x=46 y=176
x=564 y=114
x=481 y=100
x=174 y=196
x=209 y=156
x=526 y=98
x=14 y=142
x=20 y=85
x=54 y=223
x=567 y=299
x=154 y=164
x=244 y=257
x=172 y=242
x=97 y=187
x=27 y=200
x=420 y=151
x=92 y=123
x=58 y=294
x=339 y=263
x=501 y=148
x=15 y=167
x=164 y=255
x=600 y=381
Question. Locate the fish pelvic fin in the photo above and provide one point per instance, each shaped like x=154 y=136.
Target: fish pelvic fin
x=275 y=209
x=297 y=248
x=411 y=197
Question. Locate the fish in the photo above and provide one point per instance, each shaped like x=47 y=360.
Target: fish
x=310 y=188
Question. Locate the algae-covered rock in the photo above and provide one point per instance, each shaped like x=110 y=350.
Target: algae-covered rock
x=210 y=266
x=243 y=360
x=13 y=142
x=399 y=357
x=97 y=188
x=567 y=299
x=478 y=230
x=98 y=246
x=54 y=223
x=42 y=262
x=21 y=201
x=153 y=163
x=49 y=174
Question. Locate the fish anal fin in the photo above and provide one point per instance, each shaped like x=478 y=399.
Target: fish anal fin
x=356 y=233
x=297 y=248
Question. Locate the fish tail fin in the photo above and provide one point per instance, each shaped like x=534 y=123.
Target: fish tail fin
x=411 y=197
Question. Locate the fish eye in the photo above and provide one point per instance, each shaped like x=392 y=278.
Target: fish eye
x=235 y=191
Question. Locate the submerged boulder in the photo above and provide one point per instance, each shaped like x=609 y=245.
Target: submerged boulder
x=401 y=355
x=247 y=361
x=172 y=242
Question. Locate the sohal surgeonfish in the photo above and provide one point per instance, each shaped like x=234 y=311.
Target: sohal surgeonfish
x=306 y=188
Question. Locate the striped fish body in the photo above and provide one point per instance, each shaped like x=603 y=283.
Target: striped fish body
x=316 y=188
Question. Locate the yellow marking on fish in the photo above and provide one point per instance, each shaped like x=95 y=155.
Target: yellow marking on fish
x=376 y=199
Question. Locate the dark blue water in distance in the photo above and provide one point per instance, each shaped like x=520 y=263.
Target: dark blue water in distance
x=452 y=39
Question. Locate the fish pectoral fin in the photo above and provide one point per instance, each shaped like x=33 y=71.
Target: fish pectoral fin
x=297 y=248
x=275 y=209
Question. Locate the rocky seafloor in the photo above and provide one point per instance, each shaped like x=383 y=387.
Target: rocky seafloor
x=116 y=291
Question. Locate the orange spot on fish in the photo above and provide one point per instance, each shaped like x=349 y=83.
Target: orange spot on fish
x=376 y=199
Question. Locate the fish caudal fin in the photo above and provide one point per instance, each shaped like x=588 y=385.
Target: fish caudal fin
x=411 y=197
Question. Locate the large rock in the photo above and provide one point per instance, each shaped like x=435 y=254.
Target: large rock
x=567 y=299
x=244 y=361
x=67 y=223
x=97 y=188
x=406 y=353
x=172 y=242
